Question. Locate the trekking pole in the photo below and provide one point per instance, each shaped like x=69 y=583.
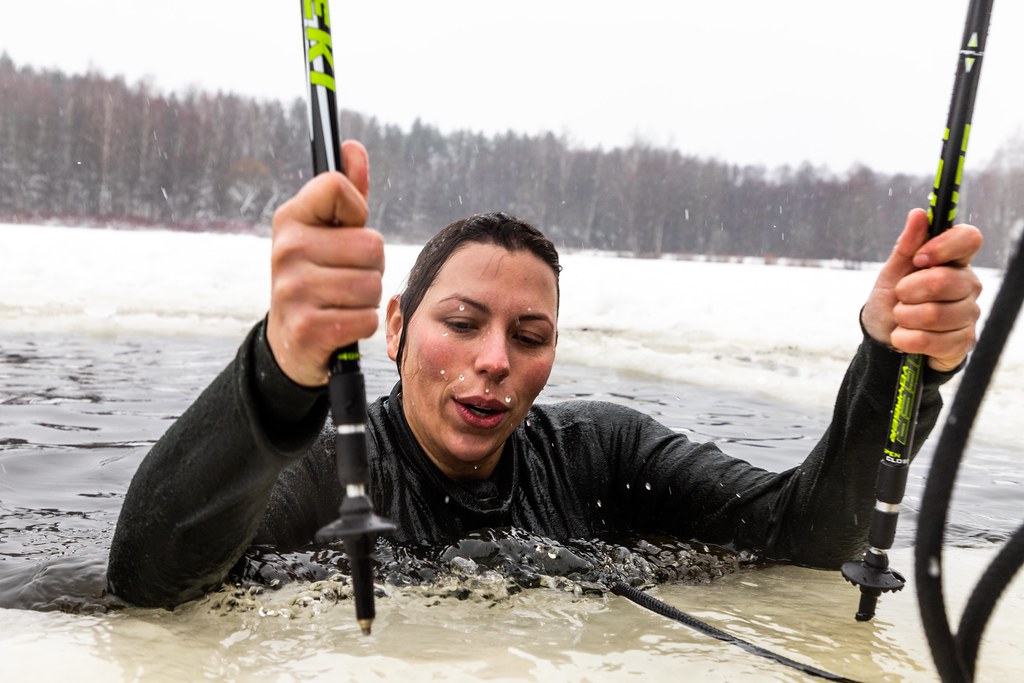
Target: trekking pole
x=872 y=574
x=357 y=524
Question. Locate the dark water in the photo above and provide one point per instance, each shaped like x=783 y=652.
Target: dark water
x=77 y=415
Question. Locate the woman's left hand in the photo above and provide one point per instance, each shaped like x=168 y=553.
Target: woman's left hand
x=925 y=299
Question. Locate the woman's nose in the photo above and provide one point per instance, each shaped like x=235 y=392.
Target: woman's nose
x=492 y=358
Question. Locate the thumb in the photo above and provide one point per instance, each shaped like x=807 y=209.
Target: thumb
x=356 y=163
x=900 y=262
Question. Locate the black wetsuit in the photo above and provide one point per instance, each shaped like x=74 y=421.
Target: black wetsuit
x=252 y=461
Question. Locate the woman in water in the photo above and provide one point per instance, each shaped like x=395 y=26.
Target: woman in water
x=459 y=445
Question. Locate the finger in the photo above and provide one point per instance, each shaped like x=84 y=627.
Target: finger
x=322 y=330
x=900 y=261
x=937 y=317
x=328 y=248
x=957 y=246
x=939 y=284
x=356 y=163
x=326 y=288
x=329 y=199
x=945 y=350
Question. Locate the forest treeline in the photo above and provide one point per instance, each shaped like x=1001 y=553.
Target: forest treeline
x=99 y=150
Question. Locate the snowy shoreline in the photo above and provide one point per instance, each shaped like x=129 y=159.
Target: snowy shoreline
x=785 y=332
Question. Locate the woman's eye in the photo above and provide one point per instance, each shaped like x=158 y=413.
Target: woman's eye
x=458 y=325
x=530 y=340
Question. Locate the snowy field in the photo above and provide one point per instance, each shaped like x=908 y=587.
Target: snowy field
x=782 y=331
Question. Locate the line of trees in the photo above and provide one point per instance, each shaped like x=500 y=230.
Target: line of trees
x=92 y=148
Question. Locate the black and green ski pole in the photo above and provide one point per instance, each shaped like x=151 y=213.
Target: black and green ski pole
x=872 y=574
x=357 y=524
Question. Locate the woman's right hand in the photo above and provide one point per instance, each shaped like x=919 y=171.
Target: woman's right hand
x=325 y=277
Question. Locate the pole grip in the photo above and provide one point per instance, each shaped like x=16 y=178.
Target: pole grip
x=347 y=393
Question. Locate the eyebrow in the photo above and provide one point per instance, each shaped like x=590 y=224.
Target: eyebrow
x=483 y=308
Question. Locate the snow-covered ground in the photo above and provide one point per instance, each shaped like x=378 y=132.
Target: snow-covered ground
x=784 y=331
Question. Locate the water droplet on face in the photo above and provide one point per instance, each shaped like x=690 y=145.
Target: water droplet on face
x=598 y=503
x=508 y=399
x=446 y=499
x=445 y=334
x=461 y=307
x=553 y=553
x=442 y=372
x=462 y=377
x=487 y=391
x=627 y=486
x=647 y=486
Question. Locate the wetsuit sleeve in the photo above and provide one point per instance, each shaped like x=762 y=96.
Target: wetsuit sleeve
x=833 y=491
x=198 y=498
x=816 y=513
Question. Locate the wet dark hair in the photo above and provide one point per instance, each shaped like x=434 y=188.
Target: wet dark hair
x=497 y=228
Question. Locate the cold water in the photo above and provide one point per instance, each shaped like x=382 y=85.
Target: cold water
x=78 y=412
x=107 y=336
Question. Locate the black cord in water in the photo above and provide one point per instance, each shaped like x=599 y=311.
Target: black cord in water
x=955 y=656
x=983 y=600
x=664 y=609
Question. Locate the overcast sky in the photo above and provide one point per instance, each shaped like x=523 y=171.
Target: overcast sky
x=747 y=81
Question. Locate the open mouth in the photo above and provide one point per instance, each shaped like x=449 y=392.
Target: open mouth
x=482 y=412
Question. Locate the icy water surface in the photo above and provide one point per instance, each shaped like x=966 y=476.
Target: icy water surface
x=78 y=413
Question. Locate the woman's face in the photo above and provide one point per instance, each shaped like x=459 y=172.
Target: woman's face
x=478 y=350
